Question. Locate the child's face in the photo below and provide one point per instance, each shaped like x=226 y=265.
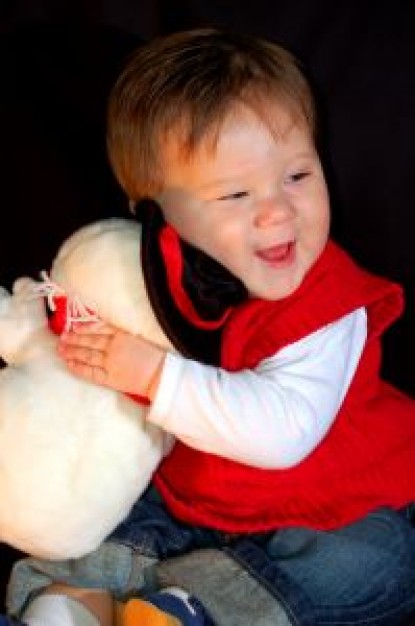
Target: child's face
x=257 y=204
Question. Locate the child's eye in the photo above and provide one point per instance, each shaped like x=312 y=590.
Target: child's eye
x=297 y=177
x=234 y=196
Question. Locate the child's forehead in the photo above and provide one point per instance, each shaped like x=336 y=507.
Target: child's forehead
x=245 y=145
x=277 y=117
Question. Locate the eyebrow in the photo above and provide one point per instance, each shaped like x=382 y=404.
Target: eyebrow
x=215 y=184
x=309 y=154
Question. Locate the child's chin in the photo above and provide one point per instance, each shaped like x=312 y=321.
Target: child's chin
x=277 y=293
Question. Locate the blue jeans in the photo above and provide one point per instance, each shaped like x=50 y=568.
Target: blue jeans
x=363 y=573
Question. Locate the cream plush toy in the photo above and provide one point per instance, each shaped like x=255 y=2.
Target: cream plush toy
x=74 y=456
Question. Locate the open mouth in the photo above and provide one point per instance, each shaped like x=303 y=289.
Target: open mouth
x=281 y=255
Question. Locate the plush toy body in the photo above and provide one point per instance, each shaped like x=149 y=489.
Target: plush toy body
x=74 y=456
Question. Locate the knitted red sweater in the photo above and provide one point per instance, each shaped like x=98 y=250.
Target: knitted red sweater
x=367 y=458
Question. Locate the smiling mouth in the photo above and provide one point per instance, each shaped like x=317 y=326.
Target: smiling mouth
x=278 y=256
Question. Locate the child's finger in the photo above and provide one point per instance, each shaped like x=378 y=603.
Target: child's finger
x=87 y=355
x=92 y=328
x=98 y=343
x=86 y=339
x=93 y=373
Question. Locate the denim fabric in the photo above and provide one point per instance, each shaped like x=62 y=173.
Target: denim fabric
x=363 y=573
x=151 y=530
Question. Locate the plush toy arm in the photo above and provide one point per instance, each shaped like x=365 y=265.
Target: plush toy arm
x=24 y=330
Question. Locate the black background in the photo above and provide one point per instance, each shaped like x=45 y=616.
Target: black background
x=58 y=60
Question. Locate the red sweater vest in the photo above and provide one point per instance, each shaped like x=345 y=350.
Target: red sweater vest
x=367 y=458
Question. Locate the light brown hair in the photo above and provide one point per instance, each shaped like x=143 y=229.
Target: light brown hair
x=189 y=82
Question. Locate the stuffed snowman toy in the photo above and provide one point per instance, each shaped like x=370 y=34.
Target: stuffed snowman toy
x=74 y=456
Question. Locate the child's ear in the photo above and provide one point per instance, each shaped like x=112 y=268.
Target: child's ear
x=191 y=294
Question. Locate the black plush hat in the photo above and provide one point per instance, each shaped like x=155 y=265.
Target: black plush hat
x=191 y=293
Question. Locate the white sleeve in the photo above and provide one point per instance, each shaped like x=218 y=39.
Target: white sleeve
x=269 y=417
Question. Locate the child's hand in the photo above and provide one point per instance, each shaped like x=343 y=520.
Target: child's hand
x=112 y=357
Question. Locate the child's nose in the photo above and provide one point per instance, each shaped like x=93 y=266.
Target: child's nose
x=273 y=211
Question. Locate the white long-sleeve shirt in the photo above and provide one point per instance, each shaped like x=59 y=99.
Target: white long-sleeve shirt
x=272 y=416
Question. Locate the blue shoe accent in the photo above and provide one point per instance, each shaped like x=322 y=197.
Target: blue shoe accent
x=180 y=604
